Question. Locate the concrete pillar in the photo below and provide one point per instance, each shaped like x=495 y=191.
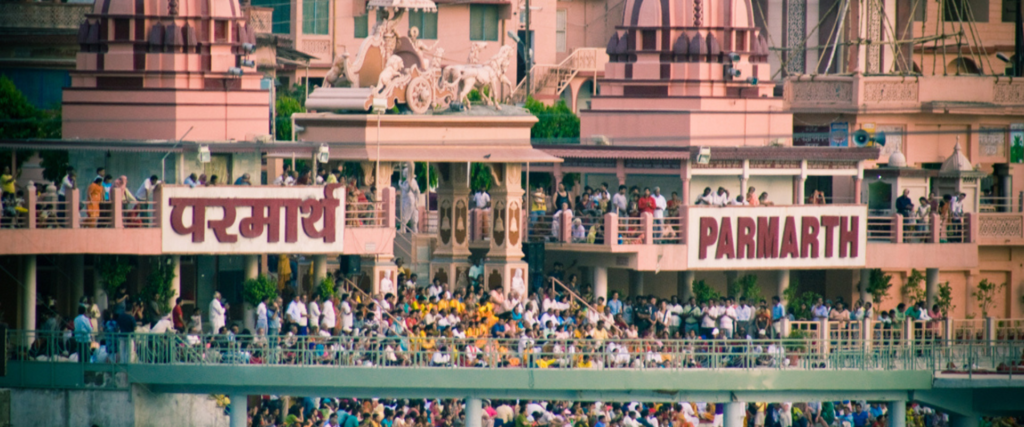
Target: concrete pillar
x=782 y=284
x=474 y=412
x=77 y=280
x=176 y=281
x=897 y=413
x=931 y=286
x=252 y=266
x=601 y=283
x=28 y=296
x=685 y=285
x=957 y=420
x=865 y=281
x=636 y=283
x=734 y=413
x=239 y=410
x=319 y=268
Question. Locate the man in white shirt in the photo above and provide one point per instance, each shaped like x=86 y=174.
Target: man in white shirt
x=660 y=204
x=192 y=181
x=297 y=314
x=216 y=314
x=145 y=191
x=261 y=314
x=329 y=319
x=619 y=201
x=709 y=319
x=721 y=197
x=66 y=184
x=346 y=314
x=743 y=315
x=314 y=311
x=728 y=320
x=481 y=200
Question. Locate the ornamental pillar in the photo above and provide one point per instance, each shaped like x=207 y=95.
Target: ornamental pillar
x=504 y=267
x=450 y=264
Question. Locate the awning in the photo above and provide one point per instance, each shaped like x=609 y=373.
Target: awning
x=436 y=154
x=718 y=153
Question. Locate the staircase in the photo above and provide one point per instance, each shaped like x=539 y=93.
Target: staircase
x=552 y=80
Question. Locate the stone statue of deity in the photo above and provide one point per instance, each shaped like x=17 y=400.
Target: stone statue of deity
x=410 y=200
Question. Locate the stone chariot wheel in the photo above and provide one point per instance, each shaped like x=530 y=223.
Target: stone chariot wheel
x=419 y=95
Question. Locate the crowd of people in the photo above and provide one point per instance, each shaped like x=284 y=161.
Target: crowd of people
x=916 y=220
x=272 y=411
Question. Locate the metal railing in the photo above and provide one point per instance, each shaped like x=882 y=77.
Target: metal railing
x=669 y=230
x=631 y=231
x=1002 y=358
x=542 y=227
x=364 y=214
x=542 y=75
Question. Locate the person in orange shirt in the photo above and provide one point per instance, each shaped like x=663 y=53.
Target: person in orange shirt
x=95 y=193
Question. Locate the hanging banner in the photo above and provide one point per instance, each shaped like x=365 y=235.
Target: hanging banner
x=1017 y=143
x=839 y=134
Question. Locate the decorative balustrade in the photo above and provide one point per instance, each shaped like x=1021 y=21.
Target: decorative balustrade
x=48 y=212
x=50 y=16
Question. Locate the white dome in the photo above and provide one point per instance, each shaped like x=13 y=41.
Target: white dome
x=897 y=160
x=957 y=162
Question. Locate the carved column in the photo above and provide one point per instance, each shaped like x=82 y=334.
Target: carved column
x=507 y=234
x=450 y=263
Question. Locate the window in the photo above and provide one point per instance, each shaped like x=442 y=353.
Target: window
x=560 y=26
x=965 y=11
x=1009 y=10
x=362 y=26
x=426 y=22
x=315 y=16
x=483 y=22
x=281 y=18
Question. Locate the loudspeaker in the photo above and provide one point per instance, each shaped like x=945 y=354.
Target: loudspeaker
x=534 y=256
x=351 y=265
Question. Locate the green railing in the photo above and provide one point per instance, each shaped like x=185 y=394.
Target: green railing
x=994 y=358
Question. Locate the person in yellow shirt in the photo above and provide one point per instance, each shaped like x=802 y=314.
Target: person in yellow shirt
x=586 y=363
x=545 y=361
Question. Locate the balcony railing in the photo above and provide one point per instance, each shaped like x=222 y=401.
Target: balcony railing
x=933 y=229
x=849 y=352
x=43 y=16
x=50 y=213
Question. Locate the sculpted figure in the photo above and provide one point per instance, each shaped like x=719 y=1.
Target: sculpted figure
x=410 y=200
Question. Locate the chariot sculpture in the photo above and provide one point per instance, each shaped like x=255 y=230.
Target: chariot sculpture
x=407 y=72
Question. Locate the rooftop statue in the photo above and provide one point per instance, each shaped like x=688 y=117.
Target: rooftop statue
x=407 y=72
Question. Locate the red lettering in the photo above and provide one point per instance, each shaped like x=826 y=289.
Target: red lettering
x=745 y=244
x=220 y=227
x=725 y=246
x=790 y=246
x=809 y=237
x=198 y=227
x=849 y=232
x=767 y=237
x=830 y=223
x=708 y=235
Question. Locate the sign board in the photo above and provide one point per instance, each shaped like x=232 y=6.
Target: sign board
x=839 y=134
x=253 y=220
x=808 y=236
x=1017 y=143
x=811 y=136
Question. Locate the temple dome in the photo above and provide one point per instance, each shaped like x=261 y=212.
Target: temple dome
x=957 y=162
x=897 y=160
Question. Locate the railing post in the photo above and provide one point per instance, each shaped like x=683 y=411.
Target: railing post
x=971 y=228
x=611 y=229
x=948 y=331
x=565 y=227
x=647 y=225
x=897 y=228
x=475 y=229
x=74 y=209
x=786 y=327
x=387 y=195
x=157 y=208
x=990 y=331
x=826 y=337
x=30 y=199
x=936 y=228
x=908 y=331
x=117 y=209
x=867 y=333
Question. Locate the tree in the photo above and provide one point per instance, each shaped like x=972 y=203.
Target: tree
x=114 y=271
x=55 y=164
x=945 y=299
x=985 y=294
x=285 y=107
x=19 y=119
x=480 y=177
x=912 y=289
x=158 y=284
x=254 y=291
x=799 y=304
x=704 y=293
x=326 y=288
x=878 y=285
x=554 y=122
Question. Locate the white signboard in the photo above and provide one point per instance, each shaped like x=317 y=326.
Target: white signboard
x=253 y=220
x=809 y=236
